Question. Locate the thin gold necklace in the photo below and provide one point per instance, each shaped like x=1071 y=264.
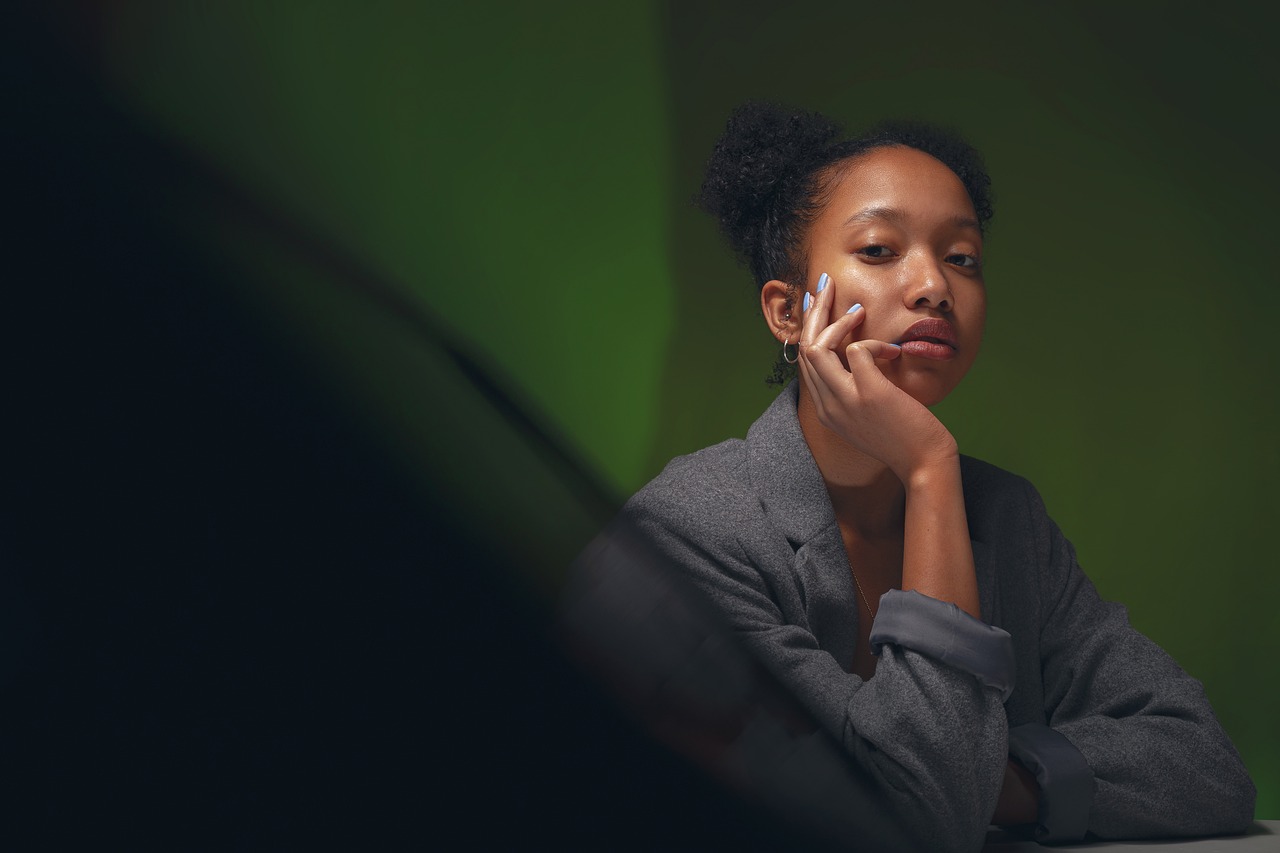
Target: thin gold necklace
x=870 y=609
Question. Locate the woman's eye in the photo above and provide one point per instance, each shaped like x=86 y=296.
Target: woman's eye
x=877 y=252
x=962 y=260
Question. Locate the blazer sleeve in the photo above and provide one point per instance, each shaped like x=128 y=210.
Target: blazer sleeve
x=1132 y=747
x=928 y=731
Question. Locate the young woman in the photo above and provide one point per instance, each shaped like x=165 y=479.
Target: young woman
x=920 y=604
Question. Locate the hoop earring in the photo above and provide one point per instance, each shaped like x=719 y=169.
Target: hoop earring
x=787 y=343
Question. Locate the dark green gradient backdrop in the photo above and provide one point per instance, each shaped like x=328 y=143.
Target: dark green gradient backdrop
x=525 y=173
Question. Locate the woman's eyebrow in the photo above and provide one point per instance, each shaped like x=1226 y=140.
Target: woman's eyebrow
x=896 y=217
x=891 y=214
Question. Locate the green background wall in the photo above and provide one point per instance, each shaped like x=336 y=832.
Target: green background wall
x=524 y=173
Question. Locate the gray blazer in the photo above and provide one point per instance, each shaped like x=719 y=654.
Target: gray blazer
x=1122 y=741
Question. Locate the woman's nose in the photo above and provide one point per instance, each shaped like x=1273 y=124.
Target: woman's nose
x=927 y=287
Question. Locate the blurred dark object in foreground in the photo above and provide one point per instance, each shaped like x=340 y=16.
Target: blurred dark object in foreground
x=228 y=616
x=631 y=621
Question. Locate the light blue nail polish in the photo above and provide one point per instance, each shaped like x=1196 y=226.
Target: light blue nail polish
x=807 y=300
x=823 y=280
x=855 y=307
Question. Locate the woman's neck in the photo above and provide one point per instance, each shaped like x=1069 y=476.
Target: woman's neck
x=866 y=496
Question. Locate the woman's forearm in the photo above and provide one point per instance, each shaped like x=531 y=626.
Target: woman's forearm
x=937 y=558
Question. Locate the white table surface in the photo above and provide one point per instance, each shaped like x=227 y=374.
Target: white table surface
x=1263 y=837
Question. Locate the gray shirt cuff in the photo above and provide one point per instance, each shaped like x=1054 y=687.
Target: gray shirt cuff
x=942 y=631
x=1064 y=776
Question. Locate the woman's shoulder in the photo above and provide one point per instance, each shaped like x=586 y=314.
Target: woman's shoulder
x=715 y=471
x=718 y=494
x=998 y=501
x=982 y=478
x=708 y=488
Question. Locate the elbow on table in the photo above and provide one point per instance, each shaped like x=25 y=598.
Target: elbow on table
x=1225 y=803
x=953 y=817
x=1238 y=800
x=953 y=827
x=1216 y=802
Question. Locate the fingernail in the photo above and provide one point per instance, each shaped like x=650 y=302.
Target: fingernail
x=807 y=300
x=822 y=281
x=855 y=307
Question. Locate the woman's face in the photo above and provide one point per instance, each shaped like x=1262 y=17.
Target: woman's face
x=899 y=235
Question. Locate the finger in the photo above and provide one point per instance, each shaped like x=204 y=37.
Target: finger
x=820 y=393
x=866 y=352
x=819 y=384
x=813 y=383
x=817 y=308
x=826 y=365
x=832 y=335
x=808 y=374
x=807 y=332
x=807 y=377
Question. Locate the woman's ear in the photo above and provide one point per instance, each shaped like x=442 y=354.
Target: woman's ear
x=780 y=303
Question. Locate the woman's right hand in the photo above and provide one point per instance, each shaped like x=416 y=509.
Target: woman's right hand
x=863 y=407
x=859 y=403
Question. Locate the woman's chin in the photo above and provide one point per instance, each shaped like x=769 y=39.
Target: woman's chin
x=926 y=388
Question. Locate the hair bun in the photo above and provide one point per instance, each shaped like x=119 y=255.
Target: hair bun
x=762 y=145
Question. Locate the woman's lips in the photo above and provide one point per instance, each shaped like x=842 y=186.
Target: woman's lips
x=930 y=338
x=927 y=349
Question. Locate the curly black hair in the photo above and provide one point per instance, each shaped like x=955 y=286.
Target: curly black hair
x=773 y=168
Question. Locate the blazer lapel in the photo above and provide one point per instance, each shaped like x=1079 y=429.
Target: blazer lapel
x=789 y=486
